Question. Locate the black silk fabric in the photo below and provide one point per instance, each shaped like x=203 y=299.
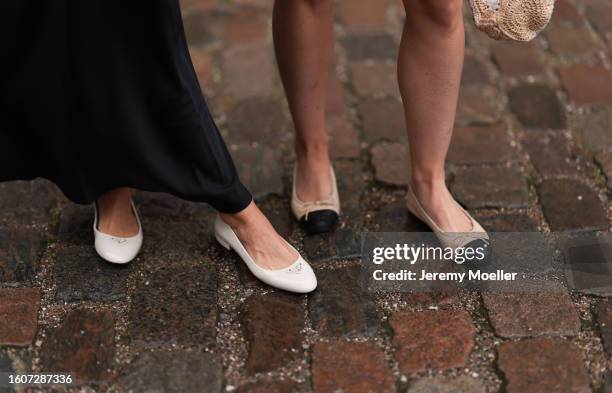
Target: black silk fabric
x=100 y=94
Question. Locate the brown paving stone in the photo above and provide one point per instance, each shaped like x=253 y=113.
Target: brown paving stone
x=491 y=187
x=474 y=72
x=203 y=65
x=199 y=28
x=249 y=70
x=20 y=251
x=342 y=243
x=83 y=344
x=592 y=127
x=391 y=163
x=18 y=315
x=604 y=321
x=176 y=304
x=437 y=298
x=364 y=16
x=176 y=372
x=565 y=13
x=570 y=205
x=80 y=275
x=375 y=78
x=518 y=59
x=341 y=306
x=370 y=46
x=476 y=105
x=440 y=339
x=527 y=314
x=460 y=384
x=508 y=222
x=543 y=365
x=259 y=168
x=537 y=106
x=394 y=217
x=273 y=342
x=28 y=202
x=604 y=160
x=256 y=120
x=599 y=15
x=351 y=187
x=383 y=120
x=552 y=154
x=247 y=24
x=587 y=84
x=572 y=41
x=269 y=387
x=480 y=145
x=350 y=367
x=343 y=136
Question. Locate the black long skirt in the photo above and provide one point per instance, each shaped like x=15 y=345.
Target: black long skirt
x=100 y=94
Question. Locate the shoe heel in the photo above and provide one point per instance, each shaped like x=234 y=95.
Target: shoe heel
x=222 y=242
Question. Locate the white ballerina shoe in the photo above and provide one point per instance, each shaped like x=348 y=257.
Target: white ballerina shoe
x=298 y=277
x=115 y=249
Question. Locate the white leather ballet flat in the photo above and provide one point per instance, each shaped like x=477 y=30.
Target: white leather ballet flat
x=114 y=249
x=298 y=277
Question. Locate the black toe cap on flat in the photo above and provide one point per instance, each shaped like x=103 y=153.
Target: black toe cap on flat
x=319 y=221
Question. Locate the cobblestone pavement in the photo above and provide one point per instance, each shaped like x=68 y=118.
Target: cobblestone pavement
x=529 y=154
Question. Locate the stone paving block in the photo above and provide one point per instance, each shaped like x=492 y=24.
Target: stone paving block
x=350 y=367
x=480 y=145
x=278 y=212
x=6 y=366
x=20 y=251
x=552 y=154
x=367 y=16
x=570 y=205
x=537 y=106
x=528 y=314
x=260 y=169
x=476 y=105
x=246 y=25
x=604 y=160
x=351 y=186
x=273 y=341
x=474 y=72
x=460 y=384
x=176 y=304
x=508 y=222
x=342 y=134
x=375 y=79
x=383 y=120
x=436 y=298
x=370 y=46
x=518 y=59
x=200 y=28
x=587 y=84
x=249 y=70
x=608 y=382
x=256 y=120
x=565 y=13
x=203 y=65
x=174 y=372
x=543 y=365
x=572 y=41
x=83 y=344
x=439 y=340
x=175 y=238
x=395 y=217
x=343 y=243
x=18 y=315
x=604 y=321
x=81 y=275
x=598 y=14
x=269 y=387
x=341 y=307
x=491 y=187
x=592 y=127
x=28 y=202
x=391 y=163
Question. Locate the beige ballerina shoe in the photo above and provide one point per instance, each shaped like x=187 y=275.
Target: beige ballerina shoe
x=318 y=216
x=518 y=20
x=476 y=237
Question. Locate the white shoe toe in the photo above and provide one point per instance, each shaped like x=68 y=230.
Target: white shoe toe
x=114 y=249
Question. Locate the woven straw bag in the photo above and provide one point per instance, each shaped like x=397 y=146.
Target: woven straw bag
x=519 y=20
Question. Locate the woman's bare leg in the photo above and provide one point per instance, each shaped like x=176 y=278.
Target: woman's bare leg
x=429 y=72
x=303 y=39
x=115 y=215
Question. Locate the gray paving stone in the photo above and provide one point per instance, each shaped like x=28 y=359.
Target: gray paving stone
x=570 y=205
x=29 y=202
x=341 y=307
x=81 y=275
x=343 y=243
x=6 y=366
x=21 y=249
x=604 y=320
x=491 y=187
x=477 y=106
x=351 y=186
x=480 y=145
x=474 y=72
x=260 y=169
x=370 y=46
x=394 y=217
x=391 y=162
x=174 y=372
x=592 y=127
x=552 y=154
x=382 y=119
x=537 y=106
x=508 y=222
x=463 y=384
x=177 y=304
x=257 y=120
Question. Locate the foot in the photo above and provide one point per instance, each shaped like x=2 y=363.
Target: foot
x=313 y=182
x=115 y=214
x=440 y=205
x=266 y=247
